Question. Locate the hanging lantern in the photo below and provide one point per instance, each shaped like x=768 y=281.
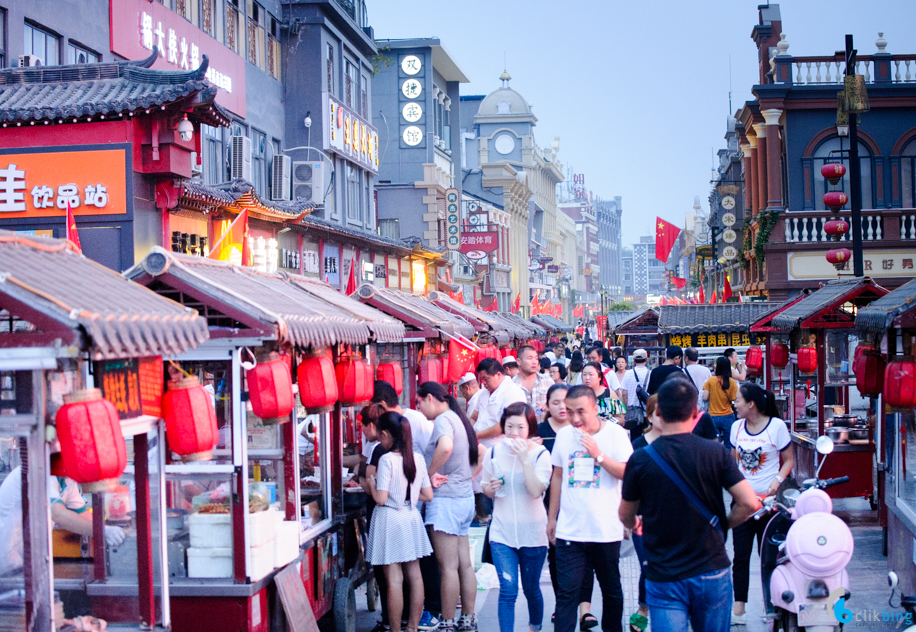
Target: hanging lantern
x=833 y=172
x=482 y=354
x=869 y=369
x=504 y=352
x=779 y=355
x=92 y=450
x=370 y=380
x=445 y=378
x=317 y=384
x=835 y=200
x=351 y=381
x=836 y=228
x=270 y=391
x=839 y=257
x=900 y=384
x=430 y=370
x=753 y=359
x=190 y=421
x=861 y=348
x=807 y=360
x=392 y=374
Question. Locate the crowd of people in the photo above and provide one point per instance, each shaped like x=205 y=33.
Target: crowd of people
x=563 y=456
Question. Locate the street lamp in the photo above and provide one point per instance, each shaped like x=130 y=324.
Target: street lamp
x=851 y=102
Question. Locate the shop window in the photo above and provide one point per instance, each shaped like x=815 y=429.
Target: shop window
x=257 y=19
x=259 y=163
x=188 y=9
x=233 y=26
x=354 y=209
x=274 y=52
x=213 y=163
x=78 y=55
x=836 y=150
x=351 y=83
x=908 y=174
x=329 y=62
x=45 y=45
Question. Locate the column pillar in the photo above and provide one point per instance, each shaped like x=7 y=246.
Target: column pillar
x=774 y=173
x=761 y=163
x=749 y=174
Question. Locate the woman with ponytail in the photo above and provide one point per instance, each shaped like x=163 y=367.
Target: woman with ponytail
x=451 y=458
x=760 y=440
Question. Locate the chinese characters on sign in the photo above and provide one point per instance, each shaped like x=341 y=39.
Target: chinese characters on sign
x=887 y=263
x=289 y=259
x=412 y=112
x=411 y=65
x=478 y=245
x=350 y=135
x=411 y=88
x=133 y=385
x=714 y=339
x=413 y=135
x=453 y=218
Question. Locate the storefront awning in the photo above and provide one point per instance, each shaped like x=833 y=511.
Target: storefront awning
x=879 y=316
x=501 y=330
x=50 y=294
x=827 y=303
x=423 y=317
x=718 y=317
x=239 y=301
x=552 y=323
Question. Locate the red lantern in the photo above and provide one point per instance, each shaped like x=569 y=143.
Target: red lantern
x=270 y=391
x=190 y=421
x=92 y=449
x=392 y=374
x=833 y=172
x=370 y=380
x=779 y=355
x=861 y=348
x=869 y=369
x=430 y=370
x=753 y=359
x=900 y=384
x=494 y=352
x=317 y=384
x=505 y=351
x=835 y=200
x=482 y=354
x=836 y=228
x=351 y=381
x=807 y=360
x=444 y=379
x=839 y=257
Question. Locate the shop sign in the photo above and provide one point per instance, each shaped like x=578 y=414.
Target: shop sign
x=501 y=279
x=381 y=272
x=453 y=218
x=265 y=255
x=478 y=245
x=133 y=385
x=349 y=135
x=289 y=259
x=139 y=25
x=729 y=252
x=733 y=339
x=93 y=182
x=729 y=219
x=729 y=236
x=310 y=261
x=880 y=263
x=553 y=269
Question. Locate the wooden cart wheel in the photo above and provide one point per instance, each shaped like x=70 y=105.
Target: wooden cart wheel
x=344 y=606
x=371 y=594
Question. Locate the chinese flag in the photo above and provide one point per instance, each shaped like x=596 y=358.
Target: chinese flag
x=665 y=237
x=558 y=310
x=517 y=305
x=71 y=233
x=351 y=279
x=726 y=291
x=714 y=299
x=461 y=356
x=702 y=297
x=663 y=301
x=534 y=304
x=459 y=296
x=678 y=282
x=489 y=308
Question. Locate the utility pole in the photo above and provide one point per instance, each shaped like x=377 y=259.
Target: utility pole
x=855 y=173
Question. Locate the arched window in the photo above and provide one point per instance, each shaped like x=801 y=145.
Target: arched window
x=836 y=149
x=502 y=107
x=907 y=173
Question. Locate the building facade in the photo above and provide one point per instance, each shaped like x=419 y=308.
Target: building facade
x=610 y=216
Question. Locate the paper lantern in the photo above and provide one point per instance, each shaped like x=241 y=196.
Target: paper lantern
x=807 y=360
x=482 y=354
x=393 y=374
x=753 y=359
x=869 y=369
x=317 y=384
x=370 y=380
x=92 y=449
x=445 y=378
x=270 y=391
x=430 y=370
x=839 y=257
x=835 y=200
x=505 y=351
x=351 y=381
x=900 y=384
x=190 y=420
x=779 y=355
x=833 y=172
x=861 y=348
x=836 y=228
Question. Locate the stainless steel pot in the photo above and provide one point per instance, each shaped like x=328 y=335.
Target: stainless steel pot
x=838 y=434
x=859 y=434
x=845 y=421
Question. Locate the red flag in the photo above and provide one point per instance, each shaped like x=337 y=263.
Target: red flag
x=461 y=356
x=534 y=304
x=726 y=291
x=517 y=305
x=714 y=299
x=702 y=297
x=558 y=311
x=678 y=282
x=351 y=279
x=71 y=233
x=457 y=296
x=665 y=237
x=489 y=308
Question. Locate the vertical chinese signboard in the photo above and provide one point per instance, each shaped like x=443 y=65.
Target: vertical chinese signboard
x=453 y=219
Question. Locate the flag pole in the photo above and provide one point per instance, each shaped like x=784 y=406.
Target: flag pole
x=215 y=247
x=459 y=338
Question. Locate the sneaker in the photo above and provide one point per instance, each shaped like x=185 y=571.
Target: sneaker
x=467 y=623
x=381 y=626
x=739 y=619
x=447 y=625
x=428 y=621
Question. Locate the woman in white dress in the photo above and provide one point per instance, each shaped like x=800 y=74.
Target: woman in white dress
x=397 y=538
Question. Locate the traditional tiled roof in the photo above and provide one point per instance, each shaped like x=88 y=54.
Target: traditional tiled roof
x=533 y=329
x=552 y=323
x=404 y=247
x=103 y=91
x=110 y=316
x=832 y=292
x=238 y=195
x=877 y=317
x=615 y=318
x=415 y=311
x=718 y=317
x=500 y=329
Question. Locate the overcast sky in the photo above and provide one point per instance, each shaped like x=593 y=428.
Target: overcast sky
x=637 y=91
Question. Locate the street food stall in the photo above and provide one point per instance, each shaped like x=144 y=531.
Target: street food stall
x=820 y=333
x=273 y=496
x=775 y=354
x=553 y=325
x=82 y=347
x=885 y=372
x=532 y=329
x=640 y=331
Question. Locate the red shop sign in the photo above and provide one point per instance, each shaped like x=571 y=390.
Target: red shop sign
x=479 y=245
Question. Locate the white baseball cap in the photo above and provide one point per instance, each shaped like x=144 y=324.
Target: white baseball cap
x=640 y=353
x=509 y=360
x=467 y=377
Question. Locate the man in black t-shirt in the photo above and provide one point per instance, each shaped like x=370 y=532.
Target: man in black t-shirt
x=687 y=574
x=673 y=357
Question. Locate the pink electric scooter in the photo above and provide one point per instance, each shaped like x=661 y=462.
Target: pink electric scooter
x=804 y=553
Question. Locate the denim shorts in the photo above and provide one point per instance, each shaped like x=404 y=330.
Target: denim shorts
x=450 y=515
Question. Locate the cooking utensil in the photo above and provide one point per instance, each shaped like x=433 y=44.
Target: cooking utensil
x=858 y=434
x=838 y=434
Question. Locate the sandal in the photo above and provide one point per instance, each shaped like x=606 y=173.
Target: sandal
x=588 y=621
x=638 y=622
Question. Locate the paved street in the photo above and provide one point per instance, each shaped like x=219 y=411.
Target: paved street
x=867 y=574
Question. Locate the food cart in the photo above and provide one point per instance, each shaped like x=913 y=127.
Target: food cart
x=640 y=331
x=70 y=325
x=821 y=335
x=233 y=551
x=888 y=325
x=775 y=354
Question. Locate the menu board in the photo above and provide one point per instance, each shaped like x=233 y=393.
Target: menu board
x=296 y=604
x=133 y=385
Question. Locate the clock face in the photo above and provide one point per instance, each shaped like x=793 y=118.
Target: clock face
x=729 y=219
x=412 y=112
x=504 y=144
x=728 y=202
x=411 y=65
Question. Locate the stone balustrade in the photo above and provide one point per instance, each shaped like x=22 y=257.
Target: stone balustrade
x=877 y=225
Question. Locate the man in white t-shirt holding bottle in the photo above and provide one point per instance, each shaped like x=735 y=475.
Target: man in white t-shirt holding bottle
x=589 y=458
x=697 y=373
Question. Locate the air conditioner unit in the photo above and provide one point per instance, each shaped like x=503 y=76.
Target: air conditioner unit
x=309 y=181
x=196 y=169
x=280 y=174
x=29 y=61
x=240 y=158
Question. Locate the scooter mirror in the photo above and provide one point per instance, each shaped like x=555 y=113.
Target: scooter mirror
x=892 y=580
x=792 y=494
x=824 y=445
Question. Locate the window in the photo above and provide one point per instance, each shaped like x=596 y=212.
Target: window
x=78 y=55
x=213 y=162
x=273 y=50
x=837 y=150
x=259 y=162
x=188 y=9
x=2 y=39
x=43 y=44
x=390 y=228
x=233 y=26
x=351 y=84
x=208 y=17
x=257 y=19
x=330 y=65
x=364 y=97
x=354 y=209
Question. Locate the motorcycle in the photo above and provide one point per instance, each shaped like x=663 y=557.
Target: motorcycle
x=804 y=553
x=907 y=602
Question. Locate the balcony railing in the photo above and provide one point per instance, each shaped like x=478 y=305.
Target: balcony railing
x=814 y=71
x=809 y=228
